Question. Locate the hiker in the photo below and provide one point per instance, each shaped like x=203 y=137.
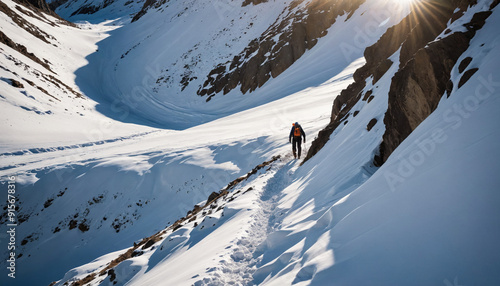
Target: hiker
x=296 y=133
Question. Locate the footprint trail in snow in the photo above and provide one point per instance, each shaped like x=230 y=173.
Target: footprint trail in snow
x=237 y=265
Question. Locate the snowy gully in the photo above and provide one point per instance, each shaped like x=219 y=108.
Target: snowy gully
x=12 y=224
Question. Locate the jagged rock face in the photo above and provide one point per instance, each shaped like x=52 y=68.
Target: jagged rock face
x=39 y=4
x=56 y=3
x=423 y=77
x=418 y=87
x=70 y=8
x=147 y=5
x=254 y=2
x=91 y=9
x=30 y=28
x=278 y=48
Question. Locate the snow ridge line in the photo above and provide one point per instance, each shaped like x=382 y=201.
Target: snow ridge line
x=237 y=266
x=73 y=146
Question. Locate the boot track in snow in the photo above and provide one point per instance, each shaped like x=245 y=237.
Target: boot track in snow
x=244 y=255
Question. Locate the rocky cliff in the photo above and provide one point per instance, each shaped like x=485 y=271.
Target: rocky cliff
x=297 y=31
x=425 y=63
x=38 y=4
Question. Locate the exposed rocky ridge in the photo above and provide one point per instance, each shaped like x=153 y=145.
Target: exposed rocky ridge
x=18 y=20
x=424 y=73
x=41 y=7
x=147 y=5
x=45 y=78
x=119 y=8
x=278 y=47
x=418 y=87
x=21 y=49
x=34 y=9
x=54 y=4
x=254 y=2
x=91 y=9
x=39 y=4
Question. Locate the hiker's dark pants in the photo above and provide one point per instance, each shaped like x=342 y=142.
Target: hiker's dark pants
x=296 y=145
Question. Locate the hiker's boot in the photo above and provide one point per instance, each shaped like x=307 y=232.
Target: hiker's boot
x=294 y=155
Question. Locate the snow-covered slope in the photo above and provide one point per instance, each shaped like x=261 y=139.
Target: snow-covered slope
x=119 y=198
x=88 y=184
x=47 y=108
x=157 y=72
x=126 y=189
x=426 y=217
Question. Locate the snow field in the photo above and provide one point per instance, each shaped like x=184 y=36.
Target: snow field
x=165 y=172
x=32 y=119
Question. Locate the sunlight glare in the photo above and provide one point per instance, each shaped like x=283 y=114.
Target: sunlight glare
x=406 y=3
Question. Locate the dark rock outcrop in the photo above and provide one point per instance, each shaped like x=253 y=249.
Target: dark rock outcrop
x=56 y=3
x=466 y=76
x=417 y=88
x=377 y=63
x=21 y=49
x=464 y=64
x=423 y=76
x=15 y=83
x=41 y=5
x=265 y=57
x=254 y=2
x=371 y=124
x=91 y=9
x=147 y=5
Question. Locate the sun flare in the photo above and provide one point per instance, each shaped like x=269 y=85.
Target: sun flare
x=407 y=4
